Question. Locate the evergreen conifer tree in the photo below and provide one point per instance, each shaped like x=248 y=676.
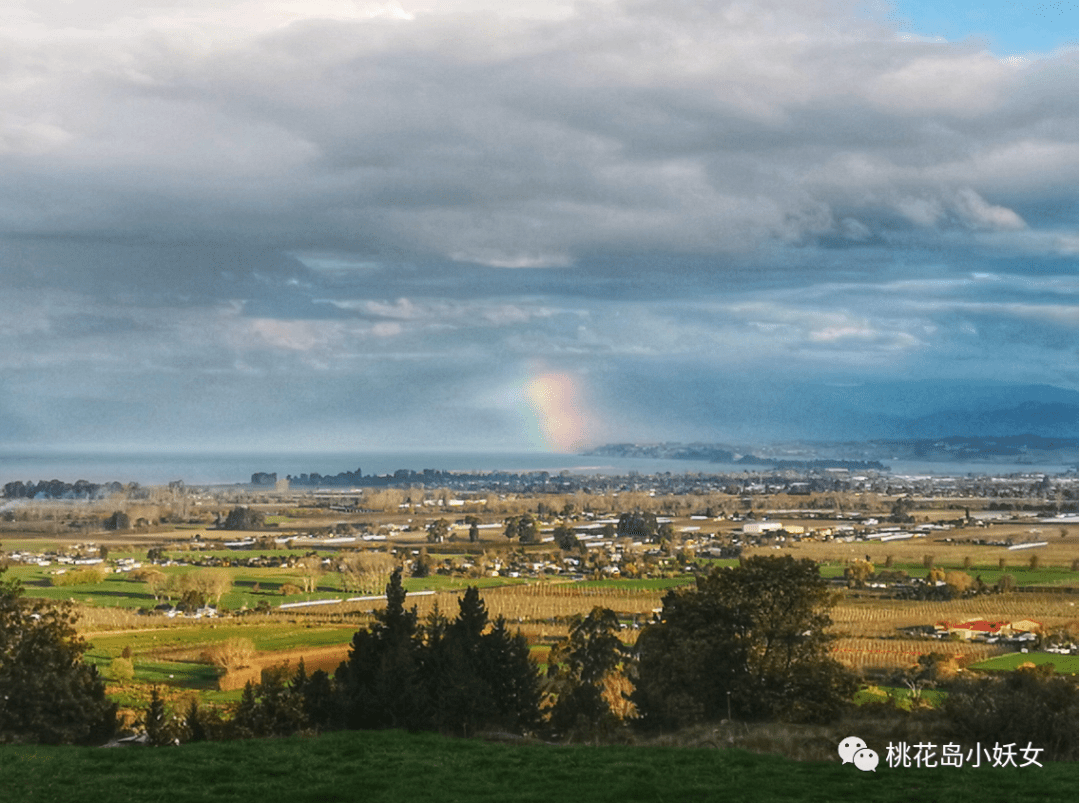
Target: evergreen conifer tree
x=47 y=693
x=380 y=681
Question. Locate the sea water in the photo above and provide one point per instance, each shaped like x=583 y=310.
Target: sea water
x=237 y=468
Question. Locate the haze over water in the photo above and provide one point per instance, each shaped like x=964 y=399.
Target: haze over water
x=232 y=468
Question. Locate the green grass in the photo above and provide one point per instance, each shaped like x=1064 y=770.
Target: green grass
x=1063 y=664
x=1024 y=576
x=119 y=591
x=725 y=563
x=398 y=767
x=899 y=696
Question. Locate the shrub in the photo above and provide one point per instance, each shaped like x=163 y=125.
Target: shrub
x=79 y=577
x=232 y=654
x=958 y=582
x=1028 y=705
x=121 y=670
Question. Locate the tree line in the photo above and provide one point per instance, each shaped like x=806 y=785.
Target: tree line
x=57 y=489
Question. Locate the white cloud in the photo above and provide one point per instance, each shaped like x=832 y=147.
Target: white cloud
x=981 y=215
x=515 y=135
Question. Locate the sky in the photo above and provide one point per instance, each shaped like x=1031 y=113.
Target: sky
x=479 y=225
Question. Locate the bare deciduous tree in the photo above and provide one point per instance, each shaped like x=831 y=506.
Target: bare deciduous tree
x=232 y=654
x=365 y=572
x=310 y=570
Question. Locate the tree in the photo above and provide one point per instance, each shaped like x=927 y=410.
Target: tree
x=511 y=676
x=195 y=723
x=438 y=531
x=156 y=580
x=214 y=583
x=931 y=669
x=310 y=568
x=901 y=510
x=365 y=571
x=579 y=669
x=750 y=640
x=243 y=518
x=958 y=582
x=270 y=708
x=118 y=521
x=477 y=674
x=161 y=729
x=638 y=525
x=380 y=679
x=452 y=676
x=858 y=572
x=47 y=693
x=1031 y=704
x=565 y=538
x=422 y=564
x=191 y=600
x=524 y=528
x=319 y=696
x=232 y=654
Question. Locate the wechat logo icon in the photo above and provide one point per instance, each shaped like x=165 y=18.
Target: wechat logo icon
x=853 y=750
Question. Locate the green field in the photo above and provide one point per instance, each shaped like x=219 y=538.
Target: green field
x=118 y=590
x=1063 y=664
x=1024 y=576
x=172 y=656
x=256 y=586
x=401 y=768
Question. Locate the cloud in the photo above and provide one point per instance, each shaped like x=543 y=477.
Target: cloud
x=469 y=132
x=248 y=219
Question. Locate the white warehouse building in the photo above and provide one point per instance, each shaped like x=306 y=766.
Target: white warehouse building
x=758 y=527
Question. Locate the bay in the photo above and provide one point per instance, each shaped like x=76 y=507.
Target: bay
x=225 y=468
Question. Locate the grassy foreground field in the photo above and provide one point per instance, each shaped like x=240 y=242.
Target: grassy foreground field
x=1063 y=664
x=393 y=766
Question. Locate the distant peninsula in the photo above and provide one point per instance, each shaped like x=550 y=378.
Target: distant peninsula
x=720 y=453
x=869 y=454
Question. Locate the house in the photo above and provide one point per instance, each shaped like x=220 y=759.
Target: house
x=982 y=629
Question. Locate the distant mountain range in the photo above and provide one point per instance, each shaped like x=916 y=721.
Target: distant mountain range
x=1049 y=420
x=867 y=424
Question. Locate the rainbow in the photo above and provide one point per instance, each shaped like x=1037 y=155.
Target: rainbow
x=555 y=401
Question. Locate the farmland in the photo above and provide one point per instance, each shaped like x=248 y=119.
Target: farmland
x=297 y=554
